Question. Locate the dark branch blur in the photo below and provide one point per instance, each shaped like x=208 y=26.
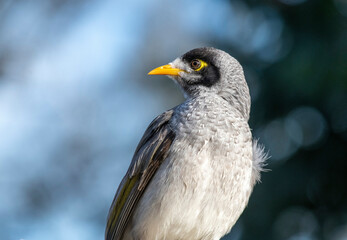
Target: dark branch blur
x=75 y=100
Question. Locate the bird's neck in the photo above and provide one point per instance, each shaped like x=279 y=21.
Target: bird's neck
x=239 y=102
x=236 y=93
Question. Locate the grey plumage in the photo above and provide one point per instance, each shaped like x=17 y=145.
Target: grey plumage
x=195 y=167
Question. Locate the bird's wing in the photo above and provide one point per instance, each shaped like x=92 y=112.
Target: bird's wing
x=150 y=153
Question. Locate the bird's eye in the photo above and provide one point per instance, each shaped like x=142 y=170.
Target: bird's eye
x=195 y=64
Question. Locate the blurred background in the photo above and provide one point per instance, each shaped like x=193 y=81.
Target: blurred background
x=75 y=100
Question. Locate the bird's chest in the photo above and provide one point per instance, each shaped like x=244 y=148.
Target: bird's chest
x=213 y=159
x=209 y=175
x=203 y=186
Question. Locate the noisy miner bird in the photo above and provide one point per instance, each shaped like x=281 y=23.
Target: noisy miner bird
x=195 y=167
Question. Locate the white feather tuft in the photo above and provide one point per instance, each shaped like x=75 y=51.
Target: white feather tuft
x=259 y=161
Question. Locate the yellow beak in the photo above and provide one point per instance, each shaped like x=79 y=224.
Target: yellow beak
x=165 y=70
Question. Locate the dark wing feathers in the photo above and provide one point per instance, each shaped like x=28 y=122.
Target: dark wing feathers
x=149 y=154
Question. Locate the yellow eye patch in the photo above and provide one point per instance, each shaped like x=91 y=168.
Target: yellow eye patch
x=198 y=64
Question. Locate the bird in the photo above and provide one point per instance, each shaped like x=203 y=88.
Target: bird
x=195 y=167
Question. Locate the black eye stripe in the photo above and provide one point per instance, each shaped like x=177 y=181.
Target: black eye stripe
x=198 y=54
x=209 y=75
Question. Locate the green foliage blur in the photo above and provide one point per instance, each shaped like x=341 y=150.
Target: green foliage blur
x=304 y=196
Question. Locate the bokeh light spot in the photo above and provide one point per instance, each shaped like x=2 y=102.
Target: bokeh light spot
x=276 y=138
x=306 y=126
x=296 y=223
